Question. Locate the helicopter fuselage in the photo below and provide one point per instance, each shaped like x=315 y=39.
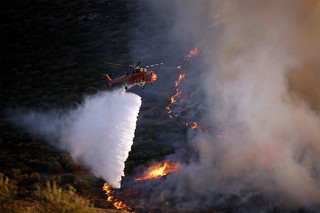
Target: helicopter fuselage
x=135 y=78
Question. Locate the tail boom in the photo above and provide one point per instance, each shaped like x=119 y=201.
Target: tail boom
x=110 y=80
x=121 y=79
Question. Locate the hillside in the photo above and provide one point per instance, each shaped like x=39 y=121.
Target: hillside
x=52 y=55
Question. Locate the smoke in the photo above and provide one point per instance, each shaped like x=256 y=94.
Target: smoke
x=98 y=134
x=271 y=135
x=260 y=79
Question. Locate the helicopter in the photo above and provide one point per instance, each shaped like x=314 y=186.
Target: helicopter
x=138 y=76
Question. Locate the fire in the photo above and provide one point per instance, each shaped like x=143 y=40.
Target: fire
x=173 y=100
x=194 y=125
x=215 y=24
x=116 y=203
x=186 y=61
x=193 y=52
x=159 y=170
x=181 y=76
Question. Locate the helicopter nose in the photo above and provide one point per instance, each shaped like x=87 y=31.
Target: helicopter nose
x=154 y=77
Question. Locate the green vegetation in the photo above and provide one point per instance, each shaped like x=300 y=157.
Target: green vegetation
x=52 y=55
x=8 y=190
x=54 y=199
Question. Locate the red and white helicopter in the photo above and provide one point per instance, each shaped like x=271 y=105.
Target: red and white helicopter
x=138 y=76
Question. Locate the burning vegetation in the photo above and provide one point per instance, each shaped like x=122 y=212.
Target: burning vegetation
x=159 y=170
x=154 y=172
x=118 y=204
x=248 y=149
x=180 y=93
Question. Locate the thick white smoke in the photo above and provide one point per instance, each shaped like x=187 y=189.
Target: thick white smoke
x=98 y=134
x=260 y=76
x=271 y=140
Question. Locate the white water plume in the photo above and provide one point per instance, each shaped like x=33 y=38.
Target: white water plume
x=99 y=133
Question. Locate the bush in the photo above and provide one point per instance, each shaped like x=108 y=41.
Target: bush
x=67 y=179
x=55 y=179
x=81 y=186
x=54 y=167
x=7 y=192
x=68 y=164
x=53 y=200
x=15 y=173
x=26 y=180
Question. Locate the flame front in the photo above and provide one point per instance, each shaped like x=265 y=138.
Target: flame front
x=186 y=61
x=173 y=100
x=193 y=52
x=181 y=76
x=118 y=204
x=159 y=170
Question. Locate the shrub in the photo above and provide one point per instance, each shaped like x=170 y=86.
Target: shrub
x=26 y=180
x=55 y=179
x=54 y=167
x=69 y=165
x=81 y=185
x=35 y=177
x=67 y=179
x=53 y=200
x=8 y=190
x=15 y=173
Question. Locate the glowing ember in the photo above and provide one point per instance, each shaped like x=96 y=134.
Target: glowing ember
x=217 y=16
x=116 y=203
x=181 y=76
x=193 y=53
x=194 y=125
x=215 y=24
x=173 y=100
x=159 y=170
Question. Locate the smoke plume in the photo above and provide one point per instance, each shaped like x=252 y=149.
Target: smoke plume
x=98 y=134
x=259 y=76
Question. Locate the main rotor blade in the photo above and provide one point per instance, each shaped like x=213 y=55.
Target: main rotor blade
x=139 y=63
x=152 y=65
x=114 y=64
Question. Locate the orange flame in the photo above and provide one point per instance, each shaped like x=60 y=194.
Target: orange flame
x=215 y=24
x=173 y=100
x=181 y=76
x=194 y=125
x=118 y=204
x=193 y=52
x=159 y=170
x=217 y=16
